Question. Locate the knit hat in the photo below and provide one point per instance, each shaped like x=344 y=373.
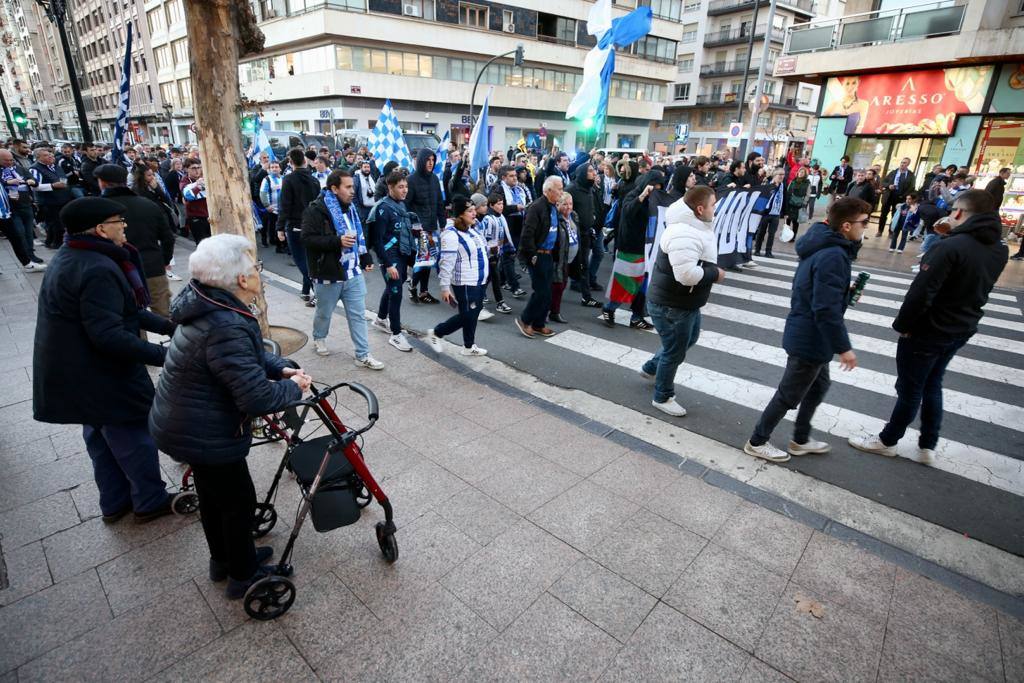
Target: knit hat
x=85 y=213
x=460 y=203
x=478 y=200
x=111 y=173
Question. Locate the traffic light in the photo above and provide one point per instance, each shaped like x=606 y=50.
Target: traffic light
x=588 y=124
x=18 y=114
x=518 y=59
x=249 y=124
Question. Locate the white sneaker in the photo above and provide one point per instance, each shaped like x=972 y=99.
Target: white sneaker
x=811 y=447
x=892 y=251
x=765 y=451
x=172 y=276
x=485 y=314
x=381 y=325
x=32 y=267
x=320 y=346
x=670 y=407
x=434 y=341
x=872 y=444
x=925 y=456
x=399 y=342
x=749 y=264
x=915 y=269
x=474 y=350
x=368 y=362
x=918 y=256
x=899 y=251
x=39 y=243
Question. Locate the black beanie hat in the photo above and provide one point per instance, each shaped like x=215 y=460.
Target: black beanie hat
x=85 y=213
x=460 y=203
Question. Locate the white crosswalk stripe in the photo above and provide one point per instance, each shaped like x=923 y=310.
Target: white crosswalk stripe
x=957 y=458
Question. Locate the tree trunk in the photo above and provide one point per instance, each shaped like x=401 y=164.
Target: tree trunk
x=213 y=33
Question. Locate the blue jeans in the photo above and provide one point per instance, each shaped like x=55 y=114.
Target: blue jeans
x=126 y=467
x=470 y=298
x=299 y=256
x=679 y=330
x=920 y=366
x=25 y=226
x=900 y=233
x=391 y=298
x=929 y=239
x=596 y=256
x=804 y=383
x=352 y=293
x=541 y=273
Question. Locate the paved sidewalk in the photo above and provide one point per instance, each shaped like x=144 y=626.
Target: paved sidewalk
x=534 y=546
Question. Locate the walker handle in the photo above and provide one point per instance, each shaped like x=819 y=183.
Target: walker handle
x=373 y=410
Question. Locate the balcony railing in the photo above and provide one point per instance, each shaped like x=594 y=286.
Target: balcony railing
x=735 y=67
x=742 y=34
x=716 y=7
x=879 y=27
x=731 y=98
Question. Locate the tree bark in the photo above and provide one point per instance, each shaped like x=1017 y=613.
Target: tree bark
x=213 y=33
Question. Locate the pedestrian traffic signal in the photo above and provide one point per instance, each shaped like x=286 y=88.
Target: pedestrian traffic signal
x=249 y=124
x=518 y=59
x=18 y=114
x=588 y=124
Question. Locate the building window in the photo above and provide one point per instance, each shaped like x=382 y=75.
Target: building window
x=764 y=120
x=804 y=96
x=424 y=9
x=689 y=33
x=769 y=87
x=707 y=118
x=155 y=17
x=692 y=5
x=508 y=21
x=655 y=48
x=163 y=57
x=180 y=48
x=681 y=91
x=685 y=63
x=472 y=15
x=185 y=92
x=167 y=93
x=797 y=122
x=671 y=10
x=175 y=13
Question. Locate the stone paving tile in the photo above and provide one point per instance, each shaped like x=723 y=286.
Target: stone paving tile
x=943 y=621
x=37 y=520
x=670 y=646
x=565 y=444
x=842 y=645
x=54 y=615
x=1011 y=636
x=904 y=660
x=419 y=489
x=43 y=480
x=694 y=505
x=775 y=541
x=86 y=497
x=477 y=515
x=134 y=645
x=847 y=574
x=649 y=551
x=19 y=427
x=635 y=476
x=729 y=593
x=414 y=428
x=480 y=458
x=27 y=456
x=759 y=672
x=325 y=618
x=606 y=599
x=142 y=574
x=506 y=576
x=68 y=443
x=494 y=409
x=26 y=572
x=257 y=651
x=584 y=515
x=548 y=642
x=528 y=483
x=17 y=387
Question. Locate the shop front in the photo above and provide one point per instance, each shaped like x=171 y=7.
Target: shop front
x=1001 y=143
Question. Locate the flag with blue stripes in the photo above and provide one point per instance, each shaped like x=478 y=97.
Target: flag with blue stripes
x=260 y=144
x=124 y=95
x=386 y=141
x=439 y=162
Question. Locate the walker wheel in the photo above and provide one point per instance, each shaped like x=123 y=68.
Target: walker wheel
x=363 y=497
x=269 y=598
x=185 y=503
x=261 y=429
x=386 y=541
x=264 y=521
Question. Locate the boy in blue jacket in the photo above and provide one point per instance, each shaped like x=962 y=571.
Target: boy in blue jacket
x=815 y=330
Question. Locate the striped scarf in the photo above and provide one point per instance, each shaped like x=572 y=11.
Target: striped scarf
x=126 y=257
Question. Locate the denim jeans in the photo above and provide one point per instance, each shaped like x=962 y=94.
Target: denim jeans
x=509 y=275
x=679 y=329
x=929 y=239
x=541 y=274
x=391 y=298
x=900 y=233
x=470 y=298
x=804 y=383
x=920 y=365
x=352 y=293
x=25 y=226
x=596 y=256
x=294 y=238
x=126 y=467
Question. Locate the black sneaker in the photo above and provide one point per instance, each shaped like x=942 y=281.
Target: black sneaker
x=161 y=511
x=590 y=303
x=219 y=570
x=519 y=293
x=594 y=287
x=117 y=516
x=236 y=589
x=640 y=324
x=609 y=318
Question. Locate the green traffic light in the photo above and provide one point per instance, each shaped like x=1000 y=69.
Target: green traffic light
x=19 y=116
x=588 y=123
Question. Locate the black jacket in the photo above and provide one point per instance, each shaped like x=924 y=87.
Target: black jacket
x=256 y=176
x=424 y=197
x=582 y=191
x=907 y=185
x=89 y=365
x=957 y=273
x=172 y=181
x=996 y=187
x=148 y=229
x=89 y=184
x=536 y=224
x=865 y=191
x=840 y=179
x=215 y=378
x=298 y=189
x=323 y=245
x=631 y=236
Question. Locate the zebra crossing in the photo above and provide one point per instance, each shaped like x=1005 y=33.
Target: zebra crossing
x=738 y=361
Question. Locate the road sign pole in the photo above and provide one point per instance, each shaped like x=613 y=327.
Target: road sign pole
x=760 y=74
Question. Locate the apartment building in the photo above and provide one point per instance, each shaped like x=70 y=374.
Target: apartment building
x=331 y=64
x=721 y=41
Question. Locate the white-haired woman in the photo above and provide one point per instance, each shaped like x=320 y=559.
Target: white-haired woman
x=216 y=377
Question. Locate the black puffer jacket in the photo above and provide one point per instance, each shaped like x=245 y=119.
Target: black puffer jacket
x=298 y=189
x=216 y=375
x=148 y=229
x=424 y=198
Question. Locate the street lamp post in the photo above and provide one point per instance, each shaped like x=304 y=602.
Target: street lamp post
x=7 y=112
x=518 y=61
x=168 y=108
x=57 y=12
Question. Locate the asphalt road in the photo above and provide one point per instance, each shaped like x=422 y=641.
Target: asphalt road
x=722 y=398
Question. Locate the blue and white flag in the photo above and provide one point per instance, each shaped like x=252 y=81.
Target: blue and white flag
x=441 y=157
x=124 y=95
x=591 y=100
x=386 y=141
x=260 y=144
x=478 y=143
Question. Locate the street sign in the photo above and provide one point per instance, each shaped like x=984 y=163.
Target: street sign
x=682 y=132
x=735 y=131
x=355 y=90
x=326 y=113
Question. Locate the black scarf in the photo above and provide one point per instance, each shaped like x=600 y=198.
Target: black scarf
x=126 y=257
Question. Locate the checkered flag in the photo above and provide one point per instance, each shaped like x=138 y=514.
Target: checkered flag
x=386 y=141
x=124 y=93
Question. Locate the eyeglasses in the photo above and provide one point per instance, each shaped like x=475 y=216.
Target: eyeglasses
x=116 y=221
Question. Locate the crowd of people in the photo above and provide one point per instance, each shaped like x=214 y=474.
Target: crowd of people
x=113 y=222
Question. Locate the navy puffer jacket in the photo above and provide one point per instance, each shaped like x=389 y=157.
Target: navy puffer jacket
x=216 y=376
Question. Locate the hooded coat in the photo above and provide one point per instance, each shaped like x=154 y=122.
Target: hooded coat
x=216 y=378
x=583 y=201
x=945 y=299
x=815 y=330
x=636 y=215
x=686 y=266
x=424 y=197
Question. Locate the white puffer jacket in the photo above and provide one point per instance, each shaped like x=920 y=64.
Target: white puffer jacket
x=689 y=243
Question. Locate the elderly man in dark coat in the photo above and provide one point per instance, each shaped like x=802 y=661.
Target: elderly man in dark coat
x=89 y=366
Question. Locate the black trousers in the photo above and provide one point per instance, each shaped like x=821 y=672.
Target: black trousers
x=50 y=213
x=199 y=228
x=888 y=207
x=227 y=499
x=804 y=383
x=769 y=224
x=16 y=239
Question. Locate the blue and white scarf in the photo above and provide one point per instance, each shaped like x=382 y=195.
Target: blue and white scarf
x=514 y=195
x=10 y=173
x=346 y=220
